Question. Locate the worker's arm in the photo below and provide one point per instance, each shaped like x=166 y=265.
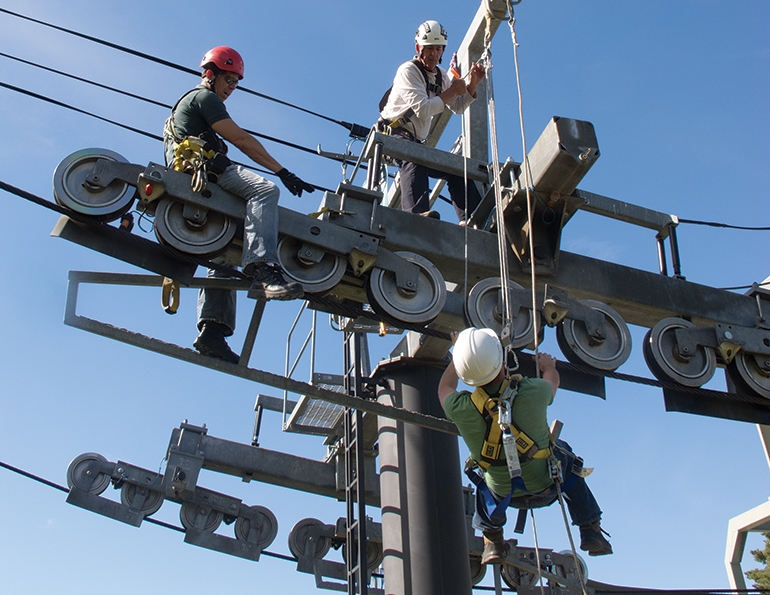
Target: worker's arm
x=547 y=365
x=250 y=146
x=448 y=383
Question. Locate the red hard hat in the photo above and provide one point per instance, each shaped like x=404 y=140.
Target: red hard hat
x=224 y=58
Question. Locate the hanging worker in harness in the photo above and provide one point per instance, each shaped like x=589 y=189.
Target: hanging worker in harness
x=421 y=90
x=198 y=123
x=513 y=460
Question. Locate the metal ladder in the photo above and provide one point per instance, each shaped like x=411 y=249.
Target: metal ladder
x=356 y=363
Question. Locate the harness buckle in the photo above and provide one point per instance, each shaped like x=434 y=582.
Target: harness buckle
x=554 y=467
x=504 y=414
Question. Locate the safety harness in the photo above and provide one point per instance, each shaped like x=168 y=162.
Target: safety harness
x=203 y=156
x=388 y=126
x=489 y=408
x=503 y=433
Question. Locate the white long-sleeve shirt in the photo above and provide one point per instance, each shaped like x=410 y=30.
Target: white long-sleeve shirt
x=409 y=92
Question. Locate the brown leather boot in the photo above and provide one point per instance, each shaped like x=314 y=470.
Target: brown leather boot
x=593 y=541
x=495 y=548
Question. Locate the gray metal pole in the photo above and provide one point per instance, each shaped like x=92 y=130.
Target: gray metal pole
x=423 y=520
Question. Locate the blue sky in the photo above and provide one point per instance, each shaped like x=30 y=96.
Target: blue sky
x=678 y=94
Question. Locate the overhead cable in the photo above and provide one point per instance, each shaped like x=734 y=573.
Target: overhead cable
x=77 y=109
x=601 y=588
x=156 y=136
x=61 y=488
x=84 y=80
x=725 y=225
x=147 y=100
x=355 y=129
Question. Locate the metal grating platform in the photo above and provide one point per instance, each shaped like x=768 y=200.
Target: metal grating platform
x=314 y=416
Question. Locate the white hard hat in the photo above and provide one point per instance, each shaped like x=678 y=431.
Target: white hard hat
x=478 y=356
x=430 y=33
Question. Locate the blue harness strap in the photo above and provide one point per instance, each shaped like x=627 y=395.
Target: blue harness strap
x=496 y=509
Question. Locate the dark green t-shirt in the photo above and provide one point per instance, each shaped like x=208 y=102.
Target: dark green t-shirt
x=529 y=414
x=194 y=114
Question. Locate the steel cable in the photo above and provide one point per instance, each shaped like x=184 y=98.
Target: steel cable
x=353 y=128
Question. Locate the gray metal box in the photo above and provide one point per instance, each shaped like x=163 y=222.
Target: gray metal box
x=562 y=156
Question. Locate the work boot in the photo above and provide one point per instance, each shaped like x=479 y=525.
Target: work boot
x=495 y=548
x=593 y=541
x=211 y=341
x=431 y=214
x=270 y=284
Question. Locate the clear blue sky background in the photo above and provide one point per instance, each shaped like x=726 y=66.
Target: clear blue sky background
x=678 y=93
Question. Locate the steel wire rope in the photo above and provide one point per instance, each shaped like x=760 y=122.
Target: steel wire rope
x=722 y=225
x=578 y=565
x=116 y=232
x=351 y=127
x=346 y=309
x=608 y=591
x=167 y=106
x=151 y=520
x=157 y=137
x=154 y=136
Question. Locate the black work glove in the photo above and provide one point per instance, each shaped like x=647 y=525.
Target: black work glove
x=294 y=183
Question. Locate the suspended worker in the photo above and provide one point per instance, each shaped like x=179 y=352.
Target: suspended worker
x=520 y=403
x=421 y=90
x=201 y=114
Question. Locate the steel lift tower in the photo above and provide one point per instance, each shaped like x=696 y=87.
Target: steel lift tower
x=373 y=267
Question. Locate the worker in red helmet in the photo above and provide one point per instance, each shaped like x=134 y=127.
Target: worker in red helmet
x=421 y=90
x=201 y=113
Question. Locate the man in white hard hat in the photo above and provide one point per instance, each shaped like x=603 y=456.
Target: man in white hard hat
x=421 y=90
x=478 y=360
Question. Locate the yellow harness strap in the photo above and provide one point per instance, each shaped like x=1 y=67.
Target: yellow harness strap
x=493 y=439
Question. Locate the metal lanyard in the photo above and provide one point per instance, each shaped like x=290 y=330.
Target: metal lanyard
x=504 y=412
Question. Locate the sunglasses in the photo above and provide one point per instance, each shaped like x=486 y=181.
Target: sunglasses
x=231 y=80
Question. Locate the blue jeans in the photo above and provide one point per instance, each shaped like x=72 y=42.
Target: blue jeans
x=260 y=239
x=581 y=504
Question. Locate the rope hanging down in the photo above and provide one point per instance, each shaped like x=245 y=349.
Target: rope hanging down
x=502 y=241
x=502 y=244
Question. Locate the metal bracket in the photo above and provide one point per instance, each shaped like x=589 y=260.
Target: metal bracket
x=221 y=543
x=105 y=507
x=106 y=171
x=185 y=461
x=407 y=273
x=558 y=305
x=726 y=339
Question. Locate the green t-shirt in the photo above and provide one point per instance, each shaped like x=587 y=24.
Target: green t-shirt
x=194 y=115
x=529 y=414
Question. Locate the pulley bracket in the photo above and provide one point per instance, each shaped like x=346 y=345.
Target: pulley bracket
x=558 y=305
x=106 y=171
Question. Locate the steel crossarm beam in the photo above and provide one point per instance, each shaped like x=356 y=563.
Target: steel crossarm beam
x=399 y=148
x=624 y=211
x=273 y=467
x=73 y=319
x=640 y=297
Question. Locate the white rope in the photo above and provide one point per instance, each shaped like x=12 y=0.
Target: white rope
x=502 y=245
x=528 y=183
x=537 y=551
x=466 y=151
